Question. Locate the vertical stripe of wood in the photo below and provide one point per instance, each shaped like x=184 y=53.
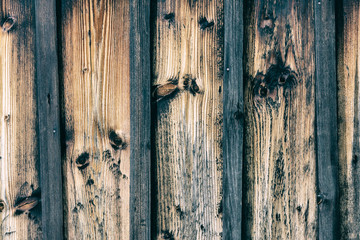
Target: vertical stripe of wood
x=233 y=119
x=140 y=119
x=48 y=119
x=326 y=117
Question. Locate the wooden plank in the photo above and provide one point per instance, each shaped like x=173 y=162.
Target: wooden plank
x=280 y=159
x=140 y=80
x=188 y=99
x=47 y=82
x=348 y=51
x=19 y=165
x=326 y=119
x=233 y=119
x=96 y=101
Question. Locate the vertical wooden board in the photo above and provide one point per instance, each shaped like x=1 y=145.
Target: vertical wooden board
x=348 y=117
x=96 y=102
x=19 y=166
x=48 y=109
x=188 y=71
x=326 y=120
x=233 y=114
x=280 y=159
x=140 y=120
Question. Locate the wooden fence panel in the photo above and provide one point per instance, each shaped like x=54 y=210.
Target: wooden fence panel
x=96 y=103
x=348 y=19
x=48 y=109
x=280 y=158
x=188 y=72
x=326 y=116
x=19 y=165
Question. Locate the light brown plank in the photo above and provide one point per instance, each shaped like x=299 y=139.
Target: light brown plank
x=280 y=158
x=96 y=96
x=19 y=170
x=188 y=48
x=348 y=117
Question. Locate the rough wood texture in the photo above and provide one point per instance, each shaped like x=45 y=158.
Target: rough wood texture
x=326 y=120
x=348 y=117
x=96 y=98
x=47 y=82
x=280 y=158
x=140 y=82
x=233 y=119
x=19 y=166
x=188 y=74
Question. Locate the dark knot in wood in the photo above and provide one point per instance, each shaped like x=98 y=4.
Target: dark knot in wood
x=267 y=24
x=204 y=23
x=83 y=160
x=277 y=75
x=2 y=205
x=117 y=140
x=8 y=24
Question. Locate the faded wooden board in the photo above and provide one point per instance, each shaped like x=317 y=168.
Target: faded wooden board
x=140 y=117
x=348 y=117
x=280 y=158
x=47 y=82
x=326 y=120
x=233 y=119
x=96 y=102
x=188 y=72
x=19 y=166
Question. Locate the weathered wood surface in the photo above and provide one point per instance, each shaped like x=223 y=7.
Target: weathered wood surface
x=19 y=166
x=47 y=82
x=348 y=19
x=96 y=103
x=233 y=114
x=187 y=97
x=140 y=117
x=280 y=158
x=326 y=120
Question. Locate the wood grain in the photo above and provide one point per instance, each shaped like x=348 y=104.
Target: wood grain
x=348 y=19
x=188 y=52
x=140 y=116
x=96 y=102
x=47 y=82
x=233 y=114
x=19 y=165
x=280 y=158
x=326 y=120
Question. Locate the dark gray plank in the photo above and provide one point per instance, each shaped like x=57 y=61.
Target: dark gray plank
x=233 y=119
x=140 y=119
x=326 y=119
x=49 y=119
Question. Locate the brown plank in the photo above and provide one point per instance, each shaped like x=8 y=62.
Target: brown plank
x=47 y=82
x=348 y=116
x=19 y=165
x=280 y=158
x=96 y=102
x=188 y=73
